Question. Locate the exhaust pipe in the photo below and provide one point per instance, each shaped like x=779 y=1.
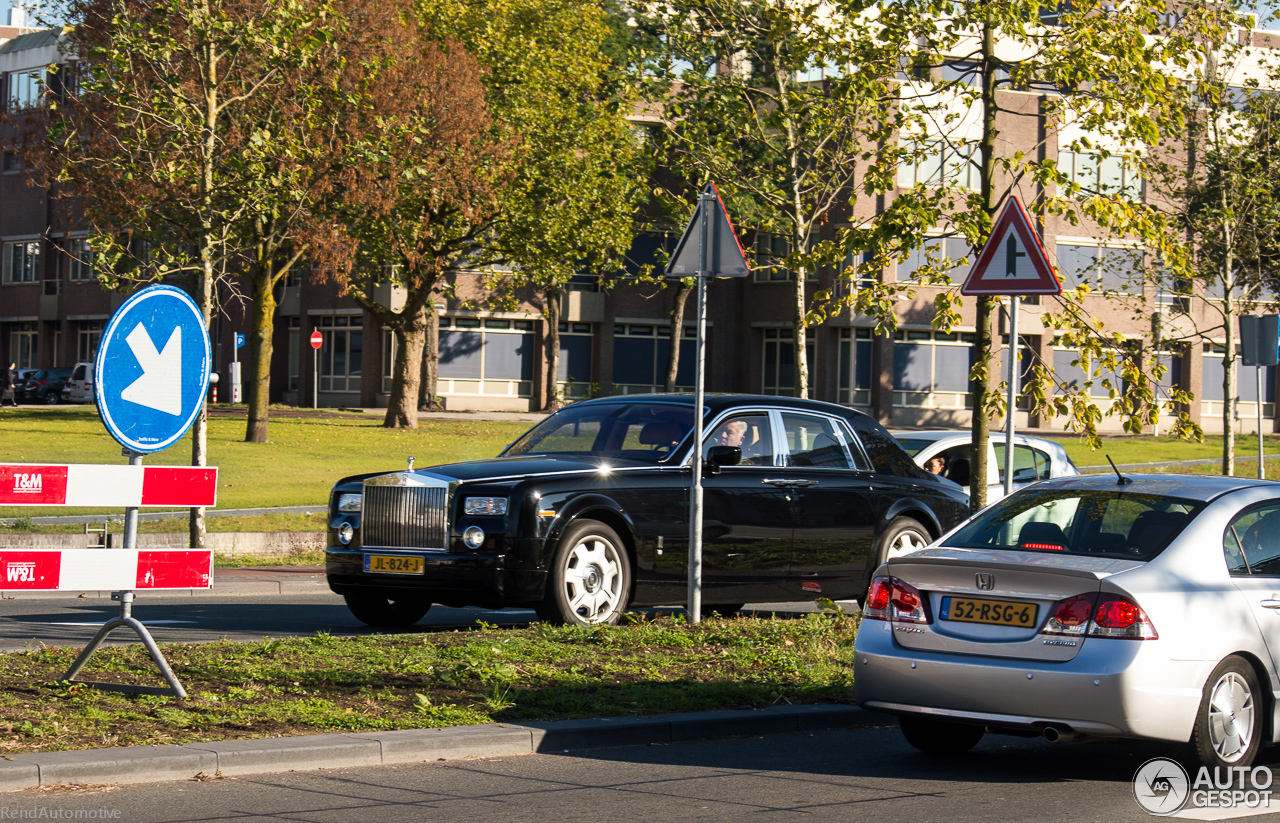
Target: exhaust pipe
x=1059 y=734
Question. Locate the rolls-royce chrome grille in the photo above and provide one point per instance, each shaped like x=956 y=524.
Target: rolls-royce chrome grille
x=400 y=517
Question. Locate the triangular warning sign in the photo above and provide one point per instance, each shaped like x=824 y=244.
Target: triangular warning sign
x=724 y=252
x=1013 y=261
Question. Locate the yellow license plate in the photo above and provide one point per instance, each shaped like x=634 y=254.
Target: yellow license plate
x=393 y=564
x=994 y=612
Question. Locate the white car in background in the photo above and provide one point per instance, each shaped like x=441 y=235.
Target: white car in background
x=1034 y=458
x=79 y=386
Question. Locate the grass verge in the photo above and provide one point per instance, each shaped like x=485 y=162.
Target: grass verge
x=263 y=523
x=328 y=684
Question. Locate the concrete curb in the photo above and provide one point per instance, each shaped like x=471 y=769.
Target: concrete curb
x=149 y=764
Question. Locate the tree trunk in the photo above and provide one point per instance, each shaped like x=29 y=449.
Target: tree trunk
x=551 y=349
x=429 y=396
x=205 y=241
x=984 y=344
x=798 y=334
x=683 y=291
x=1229 y=362
x=402 y=406
x=261 y=348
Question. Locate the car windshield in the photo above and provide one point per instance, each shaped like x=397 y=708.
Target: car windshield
x=913 y=446
x=1095 y=523
x=634 y=431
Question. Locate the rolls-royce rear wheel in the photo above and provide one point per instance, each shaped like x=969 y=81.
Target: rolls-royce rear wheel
x=590 y=577
x=386 y=611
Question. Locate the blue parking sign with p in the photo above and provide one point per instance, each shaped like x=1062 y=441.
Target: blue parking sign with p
x=152 y=369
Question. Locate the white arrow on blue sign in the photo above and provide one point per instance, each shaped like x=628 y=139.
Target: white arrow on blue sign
x=152 y=369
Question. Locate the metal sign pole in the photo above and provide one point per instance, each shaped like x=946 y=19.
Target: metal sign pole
x=694 y=598
x=126 y=618
x=1015 y=303
x=1262 y=465
x=315 y=377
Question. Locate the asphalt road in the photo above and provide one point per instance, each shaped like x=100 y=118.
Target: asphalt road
x=866 y=774
x=72 y=621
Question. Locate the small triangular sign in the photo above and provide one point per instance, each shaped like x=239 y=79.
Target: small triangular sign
x=725 y=257
x=1013 y=262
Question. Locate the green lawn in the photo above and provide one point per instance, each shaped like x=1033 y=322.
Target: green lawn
x=297 y=468
x=1130 y=449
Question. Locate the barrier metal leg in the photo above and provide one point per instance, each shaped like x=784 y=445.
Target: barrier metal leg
x=126 y=618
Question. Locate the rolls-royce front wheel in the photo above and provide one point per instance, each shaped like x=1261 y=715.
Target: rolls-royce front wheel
x=590 y=577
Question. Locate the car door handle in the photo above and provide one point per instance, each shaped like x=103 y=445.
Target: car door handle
x=1271 y=604
x=790 y=482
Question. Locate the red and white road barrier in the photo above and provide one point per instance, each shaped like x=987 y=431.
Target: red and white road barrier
x=105 y=569
x=23 y=484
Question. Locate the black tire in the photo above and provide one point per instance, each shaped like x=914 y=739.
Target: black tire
x=721 y=609
x=938 y=736
x=589 y=581
x=49 y=398
x=1229 y=728
x=386 y=611
x=900 y=531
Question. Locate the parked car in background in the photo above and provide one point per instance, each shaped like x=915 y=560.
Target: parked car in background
x=20 y=382
x=1034 y=458
x=44 y=386
x=1088 y=608
x=79 y=386
x=585 y=515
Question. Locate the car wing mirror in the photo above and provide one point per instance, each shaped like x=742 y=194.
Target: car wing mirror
x=724 y=456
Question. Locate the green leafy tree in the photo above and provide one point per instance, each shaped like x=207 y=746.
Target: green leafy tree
x=789 y=107
x=1107 y=79
x=149 y=141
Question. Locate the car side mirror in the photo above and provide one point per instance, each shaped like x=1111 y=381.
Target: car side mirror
x=724 y=456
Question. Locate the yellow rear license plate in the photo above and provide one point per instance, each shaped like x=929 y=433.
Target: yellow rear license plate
x=393 y=564
x=994 y=612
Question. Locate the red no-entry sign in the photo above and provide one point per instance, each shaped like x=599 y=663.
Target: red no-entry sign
x=317 y=339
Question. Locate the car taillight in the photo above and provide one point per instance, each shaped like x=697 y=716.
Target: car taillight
x=1070 y=616
x=890 y=599
x=1121 y=617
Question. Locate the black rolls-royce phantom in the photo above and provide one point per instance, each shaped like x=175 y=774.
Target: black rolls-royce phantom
x=586 y=514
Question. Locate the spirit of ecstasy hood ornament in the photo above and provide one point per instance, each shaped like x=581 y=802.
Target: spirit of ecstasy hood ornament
x=410 y=464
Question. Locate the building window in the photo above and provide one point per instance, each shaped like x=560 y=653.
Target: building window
x=490 y=356
x=939 y=162
x=88 y=334
x=341 y=354
x=25 y=88
x=12 y=162
x=769 y=252
x=295 y=352
x=81 y=258
x=931 y=369
x=1095 y=174
x=855 y=367
x=1212 y=371
x=948 y=254
x=22 y=345
x=780 y=361
x=1105 y=268
x=574 y=372
x=640 y=354
x=21 y=262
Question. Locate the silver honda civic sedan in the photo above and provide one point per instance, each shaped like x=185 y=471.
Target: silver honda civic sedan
x=1088 y=608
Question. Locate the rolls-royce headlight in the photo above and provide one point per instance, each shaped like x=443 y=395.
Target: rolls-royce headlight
x=473 y=537
x=349 y=502
x=485 y=505
x=345 y=533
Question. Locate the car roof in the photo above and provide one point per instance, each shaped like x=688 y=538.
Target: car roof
x=1202 y=487
x=717 y=402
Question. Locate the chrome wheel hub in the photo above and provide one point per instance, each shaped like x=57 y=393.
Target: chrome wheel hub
x=905 y=543
x=593 y=579
x=1231 y=717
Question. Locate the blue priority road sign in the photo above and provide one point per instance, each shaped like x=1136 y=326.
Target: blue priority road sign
x=152 y=369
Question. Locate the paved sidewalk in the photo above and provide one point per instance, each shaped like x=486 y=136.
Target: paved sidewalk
x=149 y=764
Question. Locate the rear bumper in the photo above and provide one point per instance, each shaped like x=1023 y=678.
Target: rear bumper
x=487 y=581
x=1111 y=688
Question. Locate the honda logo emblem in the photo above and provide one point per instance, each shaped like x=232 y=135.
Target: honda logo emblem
x=986 y=582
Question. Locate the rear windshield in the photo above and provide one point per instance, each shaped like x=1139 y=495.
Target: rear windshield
x=636 y=431
x=1094 y=523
